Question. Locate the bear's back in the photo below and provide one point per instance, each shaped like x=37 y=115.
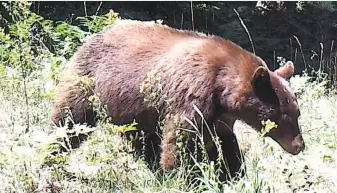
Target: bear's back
x=188 y=65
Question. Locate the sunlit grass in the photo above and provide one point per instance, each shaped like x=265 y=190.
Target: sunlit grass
x=104 y=162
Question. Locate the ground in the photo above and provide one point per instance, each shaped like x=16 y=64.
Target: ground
x=105 y=163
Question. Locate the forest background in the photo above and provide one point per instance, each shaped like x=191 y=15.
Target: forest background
x=38 y=38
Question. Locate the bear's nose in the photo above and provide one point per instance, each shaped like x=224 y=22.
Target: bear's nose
x=298 y=144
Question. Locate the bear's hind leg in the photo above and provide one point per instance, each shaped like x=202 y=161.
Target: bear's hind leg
x=72 y=99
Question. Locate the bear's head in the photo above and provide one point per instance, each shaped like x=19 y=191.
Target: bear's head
x=271 y=98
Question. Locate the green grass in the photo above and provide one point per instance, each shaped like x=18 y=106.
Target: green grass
x=104 y=162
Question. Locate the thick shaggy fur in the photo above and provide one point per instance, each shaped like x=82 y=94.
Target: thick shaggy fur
x=224 y=81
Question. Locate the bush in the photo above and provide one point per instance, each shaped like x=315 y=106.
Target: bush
x=32 y=53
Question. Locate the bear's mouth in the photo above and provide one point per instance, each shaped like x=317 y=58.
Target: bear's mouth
x=294 y=146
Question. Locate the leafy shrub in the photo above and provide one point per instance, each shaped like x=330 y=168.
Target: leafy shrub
x=32 y=53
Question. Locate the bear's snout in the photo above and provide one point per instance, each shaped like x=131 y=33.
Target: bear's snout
x=298 y=145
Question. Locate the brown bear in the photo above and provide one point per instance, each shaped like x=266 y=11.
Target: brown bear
x=150 y=72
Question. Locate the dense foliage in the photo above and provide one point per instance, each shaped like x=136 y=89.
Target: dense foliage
x=37 y=39
x=296 y=30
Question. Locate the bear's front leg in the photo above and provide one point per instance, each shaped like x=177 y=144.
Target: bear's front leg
x=169 y=153
x=233 y=159
x=169 y=149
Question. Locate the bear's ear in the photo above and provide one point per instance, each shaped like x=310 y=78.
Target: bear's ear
x=261 y=75
x=262 y=86
x=286 y=71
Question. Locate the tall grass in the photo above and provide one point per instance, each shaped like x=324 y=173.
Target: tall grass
x=105 y=162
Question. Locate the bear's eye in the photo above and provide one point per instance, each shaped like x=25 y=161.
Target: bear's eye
x=286 y=117
x=288 y=101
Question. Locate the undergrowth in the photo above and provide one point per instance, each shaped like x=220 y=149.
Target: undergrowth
x=30 y=61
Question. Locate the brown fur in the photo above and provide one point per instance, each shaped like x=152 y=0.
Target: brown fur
x=223 y=80
x=286 y=71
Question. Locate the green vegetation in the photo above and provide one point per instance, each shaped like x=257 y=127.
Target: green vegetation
x=35 y=50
